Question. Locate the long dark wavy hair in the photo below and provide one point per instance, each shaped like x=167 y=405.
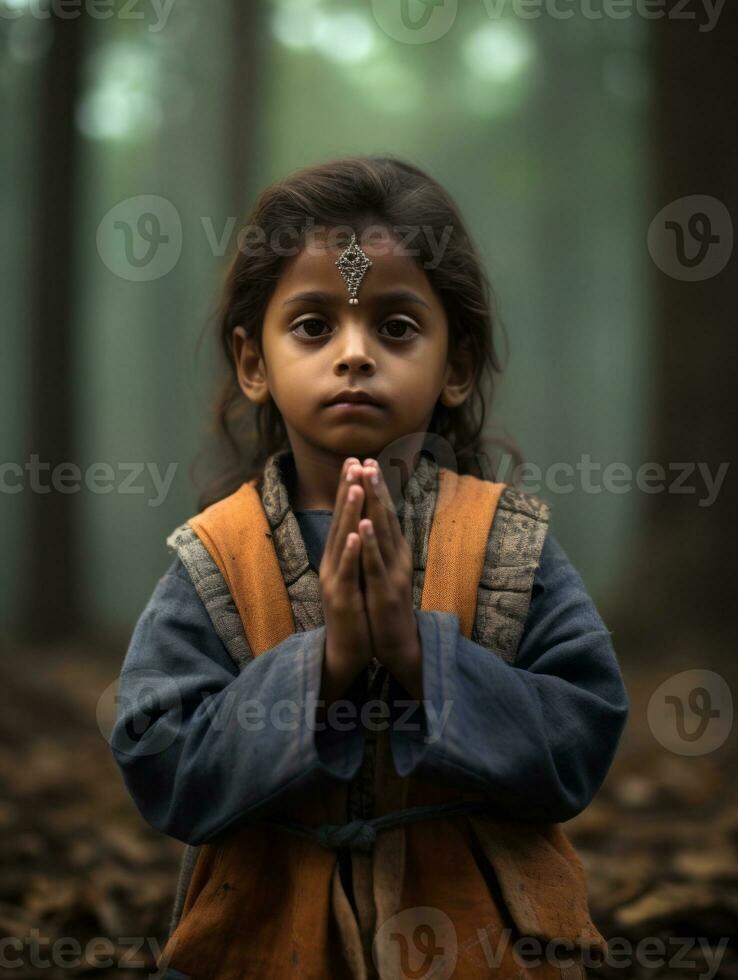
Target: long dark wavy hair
x=355 y=191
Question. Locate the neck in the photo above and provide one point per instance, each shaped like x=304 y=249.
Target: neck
x=316 y=479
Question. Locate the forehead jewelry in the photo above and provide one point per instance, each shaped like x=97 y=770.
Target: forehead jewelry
x=352 y=264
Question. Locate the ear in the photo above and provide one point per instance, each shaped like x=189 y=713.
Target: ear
x=459 y=377
x=250 y=368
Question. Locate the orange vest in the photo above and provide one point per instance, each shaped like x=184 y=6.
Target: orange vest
x=442 y=897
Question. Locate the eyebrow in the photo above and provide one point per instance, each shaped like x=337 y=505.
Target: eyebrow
x=392 y=296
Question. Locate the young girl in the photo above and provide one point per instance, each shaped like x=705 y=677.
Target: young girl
x=371 y=685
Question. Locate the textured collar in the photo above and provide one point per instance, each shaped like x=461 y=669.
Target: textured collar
x=415 y=510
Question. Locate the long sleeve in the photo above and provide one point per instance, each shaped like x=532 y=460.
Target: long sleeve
x=539 y=735
x=201 y=744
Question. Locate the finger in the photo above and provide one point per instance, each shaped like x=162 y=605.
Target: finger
x=380 y=509
x=348 y=519
x=343 y=487
x=393 y=519
x=375 y=513
x=375 y=570
x=348 y=566
x=385 y=498
x=341 y=490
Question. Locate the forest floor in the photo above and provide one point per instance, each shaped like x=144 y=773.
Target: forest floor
x=84 y=881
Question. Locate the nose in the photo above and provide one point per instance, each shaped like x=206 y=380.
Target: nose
x=353 y=353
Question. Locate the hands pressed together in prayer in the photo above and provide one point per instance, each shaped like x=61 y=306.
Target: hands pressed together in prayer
x=373 y=617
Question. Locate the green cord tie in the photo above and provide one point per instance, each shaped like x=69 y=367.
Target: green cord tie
x=361 y=835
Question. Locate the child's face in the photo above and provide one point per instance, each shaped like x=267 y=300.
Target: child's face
x=394 y=348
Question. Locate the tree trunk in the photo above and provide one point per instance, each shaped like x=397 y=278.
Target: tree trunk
x=682 y=588
x=50 y=569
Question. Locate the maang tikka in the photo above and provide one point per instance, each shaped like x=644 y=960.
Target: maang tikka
x=352 y=264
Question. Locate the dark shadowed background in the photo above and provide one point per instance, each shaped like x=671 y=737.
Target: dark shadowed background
x=592 y=147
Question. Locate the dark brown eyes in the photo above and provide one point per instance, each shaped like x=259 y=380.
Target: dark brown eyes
x=402 y=324
x=399 y=329
x=306 y=324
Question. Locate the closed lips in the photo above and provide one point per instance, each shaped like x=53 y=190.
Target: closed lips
x=358 y=397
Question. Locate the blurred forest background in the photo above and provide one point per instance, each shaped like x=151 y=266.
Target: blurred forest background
x=562 y=140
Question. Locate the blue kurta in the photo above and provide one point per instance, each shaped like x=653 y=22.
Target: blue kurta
x=538 y=736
